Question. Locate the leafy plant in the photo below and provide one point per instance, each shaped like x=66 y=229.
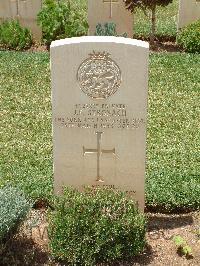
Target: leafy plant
x=13 y=36
x=166 y=22
x=108 y=29
x=61 y=19
x=147 y=4
x=183 y=248
x=189 y=37
x=94 y=226
x=13 y=210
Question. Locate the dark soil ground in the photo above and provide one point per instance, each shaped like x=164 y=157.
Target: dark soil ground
x=160 y=45
x=166 y=46
x=30 y=244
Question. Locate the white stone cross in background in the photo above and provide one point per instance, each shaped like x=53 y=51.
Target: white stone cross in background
x=110 y=11
x=17 y=6
x=111 y=2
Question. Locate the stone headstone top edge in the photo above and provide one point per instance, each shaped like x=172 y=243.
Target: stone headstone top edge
x=100 y=39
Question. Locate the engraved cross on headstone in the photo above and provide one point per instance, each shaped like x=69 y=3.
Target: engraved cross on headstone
x=99 y=151
x=111 y=2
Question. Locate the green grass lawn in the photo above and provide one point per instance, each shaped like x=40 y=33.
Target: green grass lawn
x=173 y=165
x=173 y=161
x=26 y=151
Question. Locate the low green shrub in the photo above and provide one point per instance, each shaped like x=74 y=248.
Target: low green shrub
x=61 y=19
x=13 y=209
x=107 y=29
x=13 y=36
x=189 y=37
x=97 y=225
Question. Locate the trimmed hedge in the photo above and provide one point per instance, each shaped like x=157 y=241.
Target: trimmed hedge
x=189 y=37
x=98 y=225
x=13 y=209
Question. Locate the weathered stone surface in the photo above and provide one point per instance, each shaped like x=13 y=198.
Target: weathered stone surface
x=99 y=97
x=25 y=11
x=189 y=11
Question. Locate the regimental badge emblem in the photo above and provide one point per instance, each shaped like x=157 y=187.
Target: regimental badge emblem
x=99 y=76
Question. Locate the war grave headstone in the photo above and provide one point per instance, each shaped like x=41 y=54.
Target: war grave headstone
x=28 y=10
x=8 y=9
x=110 y=11
x=99 y=99
x=189 y=11
x=25 y=11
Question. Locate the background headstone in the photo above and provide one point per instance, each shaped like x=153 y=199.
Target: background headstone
x=99 y=97
x=189 y=11
x=102 y=11
x=8 y=9
x=25 y=11
x=28 y=10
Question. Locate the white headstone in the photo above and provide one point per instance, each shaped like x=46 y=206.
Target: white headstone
x=99 y=97
x=25 y=11
x=103 y=11
x=28 y=10
x=189 y=11
x=8 y=9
